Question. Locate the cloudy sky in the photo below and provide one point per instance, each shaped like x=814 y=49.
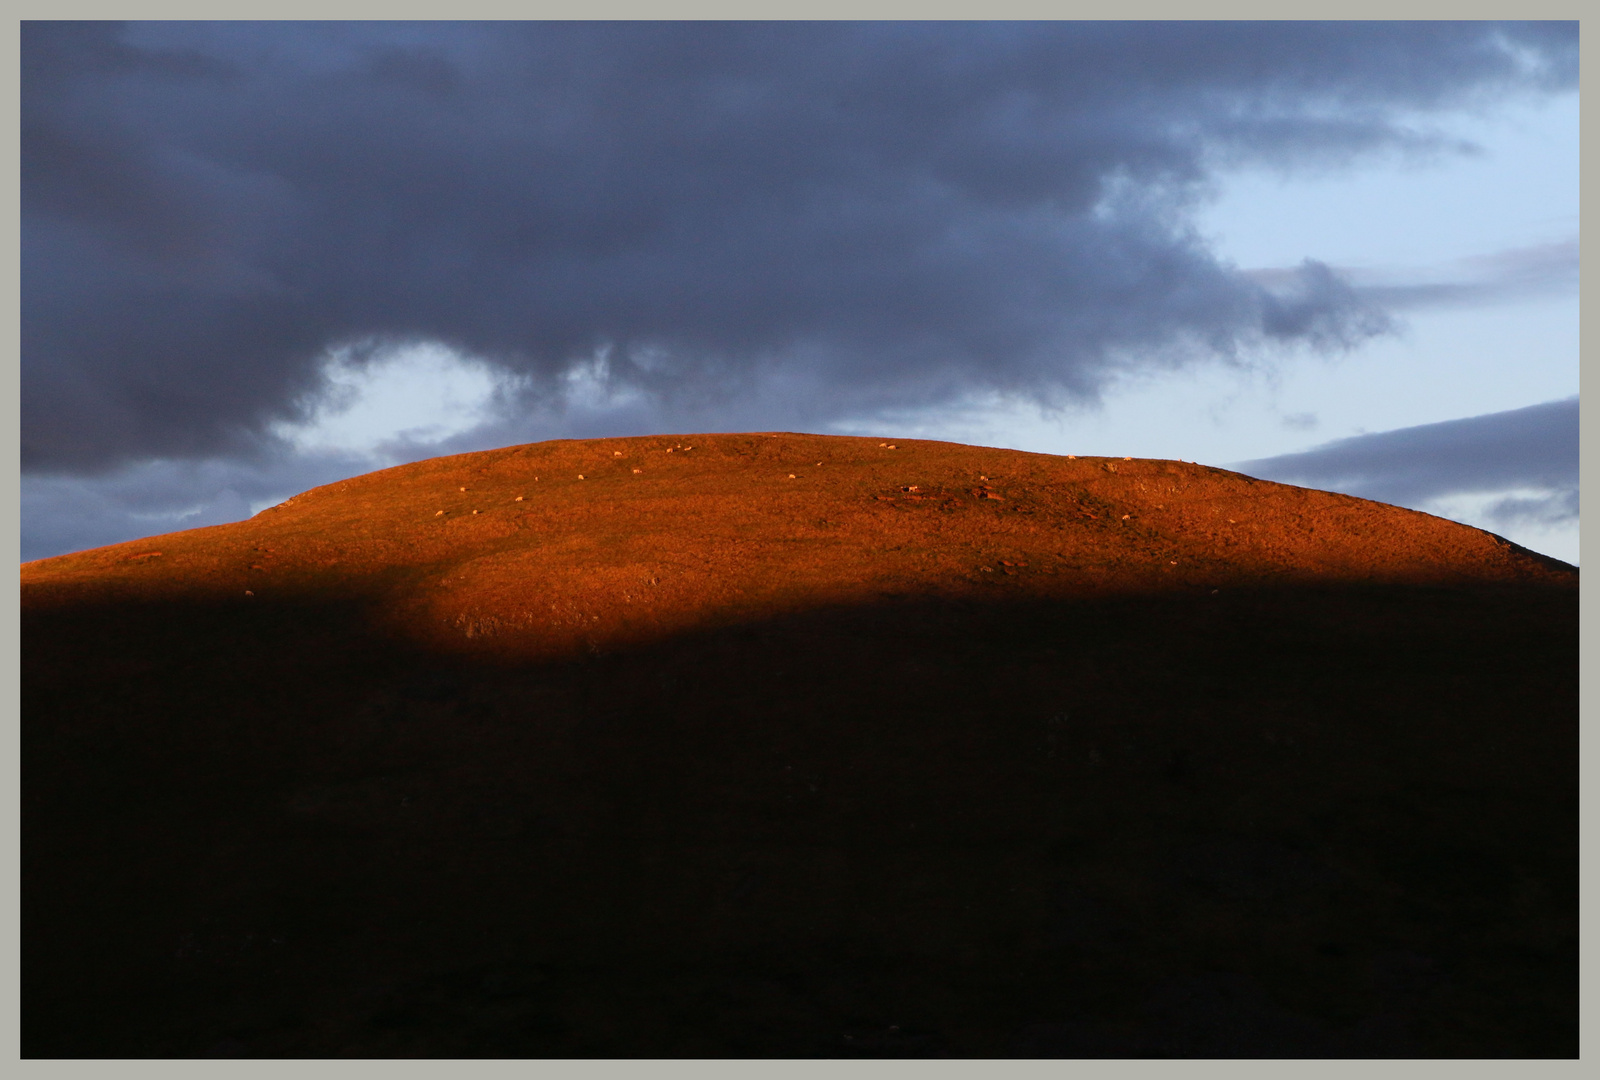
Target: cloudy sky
x=261 y=257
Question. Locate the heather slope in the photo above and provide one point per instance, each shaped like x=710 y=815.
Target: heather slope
x=928 y=750
x=556 y=546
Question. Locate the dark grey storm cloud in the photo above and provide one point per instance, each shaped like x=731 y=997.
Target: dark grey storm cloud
x=1532 y=450
x=839 y=217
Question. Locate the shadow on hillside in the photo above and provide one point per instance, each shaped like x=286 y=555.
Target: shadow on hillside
x=1337 y=822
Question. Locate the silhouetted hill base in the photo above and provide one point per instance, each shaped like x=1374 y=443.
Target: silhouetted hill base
x=1297 y=819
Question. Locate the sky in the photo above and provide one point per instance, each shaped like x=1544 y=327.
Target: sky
x=261 y=257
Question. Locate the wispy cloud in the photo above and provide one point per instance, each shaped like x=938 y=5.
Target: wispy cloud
x=63 y=513
x=1526 y=458
x=1497 y=277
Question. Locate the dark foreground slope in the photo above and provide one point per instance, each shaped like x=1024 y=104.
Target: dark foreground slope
x=930 y=750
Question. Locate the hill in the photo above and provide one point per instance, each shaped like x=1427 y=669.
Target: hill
x=793 y=745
